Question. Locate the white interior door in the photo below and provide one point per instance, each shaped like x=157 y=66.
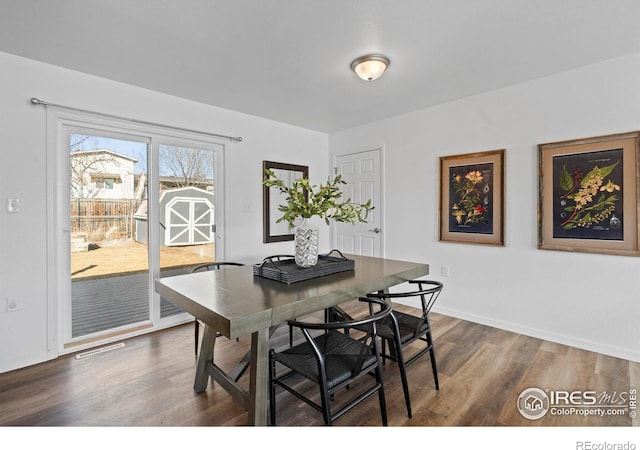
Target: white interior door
x=363 y=176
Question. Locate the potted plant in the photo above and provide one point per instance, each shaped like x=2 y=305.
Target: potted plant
x=304 y=201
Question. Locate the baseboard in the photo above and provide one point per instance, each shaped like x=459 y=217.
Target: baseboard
x=572 y=341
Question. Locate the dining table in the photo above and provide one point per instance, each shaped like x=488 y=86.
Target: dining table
x=236 y=302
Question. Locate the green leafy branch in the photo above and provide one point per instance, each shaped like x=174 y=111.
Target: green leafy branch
x=325 y=201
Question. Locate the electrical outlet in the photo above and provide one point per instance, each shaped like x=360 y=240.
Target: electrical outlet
x=12 y=304
x=444 y=271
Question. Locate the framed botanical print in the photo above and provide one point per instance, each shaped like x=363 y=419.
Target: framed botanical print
x=589 y=199
x=472 y=195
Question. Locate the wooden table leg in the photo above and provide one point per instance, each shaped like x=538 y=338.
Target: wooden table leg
x=205 y=355
x=243 y=365
x=259 y=374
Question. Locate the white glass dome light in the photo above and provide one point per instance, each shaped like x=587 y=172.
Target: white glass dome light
x=370 y=67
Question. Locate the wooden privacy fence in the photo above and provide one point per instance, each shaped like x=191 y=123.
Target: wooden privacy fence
x=103 y=218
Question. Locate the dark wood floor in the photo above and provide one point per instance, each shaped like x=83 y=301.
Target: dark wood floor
x=149 y=382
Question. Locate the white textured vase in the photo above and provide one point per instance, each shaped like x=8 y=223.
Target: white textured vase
x=306 y=241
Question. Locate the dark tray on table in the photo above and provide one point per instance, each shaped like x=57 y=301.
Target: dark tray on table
x=286 y=270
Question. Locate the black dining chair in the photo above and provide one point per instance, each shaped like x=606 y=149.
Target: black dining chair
x=203 y=268
x=333 y=360
x=400 y=329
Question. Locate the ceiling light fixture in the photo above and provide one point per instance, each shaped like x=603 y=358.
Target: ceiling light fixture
x=370 y=67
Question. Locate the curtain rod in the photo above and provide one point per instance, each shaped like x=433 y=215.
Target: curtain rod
x=37 y=101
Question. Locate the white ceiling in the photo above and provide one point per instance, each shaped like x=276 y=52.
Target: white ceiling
x=288 y=60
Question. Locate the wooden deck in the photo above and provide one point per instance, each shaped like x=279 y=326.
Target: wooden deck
x=104 y=303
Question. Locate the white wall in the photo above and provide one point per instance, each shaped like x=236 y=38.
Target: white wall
x=585 y=300
x=23 y=245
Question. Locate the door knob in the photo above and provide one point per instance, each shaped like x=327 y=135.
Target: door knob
x=375 y=230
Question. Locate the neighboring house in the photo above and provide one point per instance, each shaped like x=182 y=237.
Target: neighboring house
x=101 y=174
x=173 y=182
x=169 y=182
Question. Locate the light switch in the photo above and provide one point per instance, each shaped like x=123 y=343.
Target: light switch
x=13 y=205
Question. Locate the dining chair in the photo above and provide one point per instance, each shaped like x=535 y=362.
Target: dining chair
x=203 y=268
x=398 y=330
x=332 y=360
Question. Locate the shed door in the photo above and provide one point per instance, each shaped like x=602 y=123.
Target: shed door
x=189 y=221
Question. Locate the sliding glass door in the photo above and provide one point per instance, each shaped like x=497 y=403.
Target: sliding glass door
x=132 y=207
x=109 y=263
x=186 y=211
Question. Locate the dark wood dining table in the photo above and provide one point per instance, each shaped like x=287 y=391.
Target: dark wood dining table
x=235 y=302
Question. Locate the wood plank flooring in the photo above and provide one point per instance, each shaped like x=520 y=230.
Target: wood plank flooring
x=149 y=382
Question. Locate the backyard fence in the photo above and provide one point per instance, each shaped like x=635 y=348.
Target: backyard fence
x=103 y=218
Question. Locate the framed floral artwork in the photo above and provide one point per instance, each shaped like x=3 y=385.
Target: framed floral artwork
x=589 y=198
x=472 y=195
